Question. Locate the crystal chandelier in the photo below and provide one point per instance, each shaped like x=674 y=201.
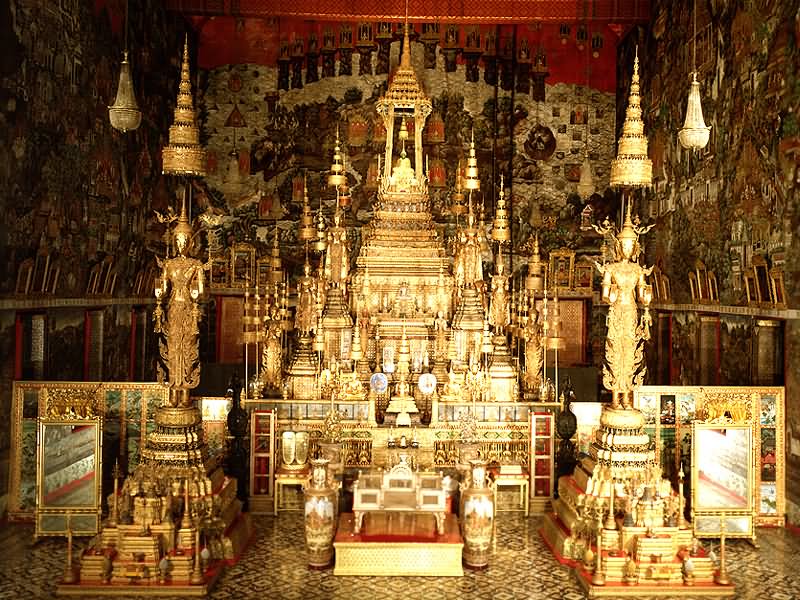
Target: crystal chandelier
x=124 y=114
x=694 y=134
x=632 y=167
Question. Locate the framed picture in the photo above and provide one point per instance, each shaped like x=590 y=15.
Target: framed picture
x=562 y=265
x=693 y=287
x=51 y=283
x=40 y=269
x=665 y=291
x=778 y=287
x=713 y=288
x=583 y=276
x=138 y=284
x=702 y=281
x=762 y=282
x=94 y=277
x=219 y=272
x=750 y=287
x=263 y=269
x=656 y=275
x=243 y=259
x=24 y=276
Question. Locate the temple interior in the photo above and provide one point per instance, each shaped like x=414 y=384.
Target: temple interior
x=400 y=299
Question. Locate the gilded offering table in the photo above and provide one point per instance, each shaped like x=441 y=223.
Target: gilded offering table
x=398 y=544
x=521 y=481
x=284 y=477
x=400 y=490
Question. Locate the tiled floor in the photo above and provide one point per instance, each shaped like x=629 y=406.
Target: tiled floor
x=521 y=567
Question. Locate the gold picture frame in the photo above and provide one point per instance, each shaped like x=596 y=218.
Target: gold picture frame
x=713 y=288
x=24 y=276
x=69 y=476
x=243 y=262
x=53 y=273
x=723 y=479
x=562 y=269
x=702 y=281
x=762 y=281
x=40 y=270
x=220 y=267
x=778 y=287
x=665 y=289
x=751 y=289
x=263 y=272
x=694 y=288
x=584 y=277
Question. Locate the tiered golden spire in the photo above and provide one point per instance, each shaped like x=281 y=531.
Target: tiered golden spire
x=472 y=180
x=337 y=176
x=307 y=232
x=632 y=167
x=184 y=155
x=500 y=231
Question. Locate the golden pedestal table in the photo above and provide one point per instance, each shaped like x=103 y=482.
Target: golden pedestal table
x=519 y=480
x=289 y=477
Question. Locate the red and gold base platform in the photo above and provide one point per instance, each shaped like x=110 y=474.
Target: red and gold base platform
x=398 y=544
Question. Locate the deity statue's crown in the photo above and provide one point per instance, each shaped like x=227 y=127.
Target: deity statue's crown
x=628 y=231
x=183 y=228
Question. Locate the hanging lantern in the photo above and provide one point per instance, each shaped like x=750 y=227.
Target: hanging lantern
x=124 y=114
x=437 y=174
x=694 y=134
x=434 y=130
x=357 y=131
x=586 y=183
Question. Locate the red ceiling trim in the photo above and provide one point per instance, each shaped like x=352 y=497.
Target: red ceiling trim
x=472 y=11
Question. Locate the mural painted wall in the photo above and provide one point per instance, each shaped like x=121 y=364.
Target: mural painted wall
x=71 y=188
x=734 y=205
x=532 y=95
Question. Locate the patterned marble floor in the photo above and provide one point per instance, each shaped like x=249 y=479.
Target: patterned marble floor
x=521 y=567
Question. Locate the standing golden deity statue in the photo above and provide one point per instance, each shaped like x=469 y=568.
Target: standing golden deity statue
x=337 y=257
x=624 y=282
x=534 y=349
x=306 y=303
x=498 y=308
x=272 y=353
x=182 y=278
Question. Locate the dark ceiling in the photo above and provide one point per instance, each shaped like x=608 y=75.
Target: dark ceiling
x=473 y=11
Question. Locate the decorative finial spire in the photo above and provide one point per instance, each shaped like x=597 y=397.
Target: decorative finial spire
x=405 y=59
x=184 y=155
x=472 y=180
x=500 y=230
x=632 y=167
